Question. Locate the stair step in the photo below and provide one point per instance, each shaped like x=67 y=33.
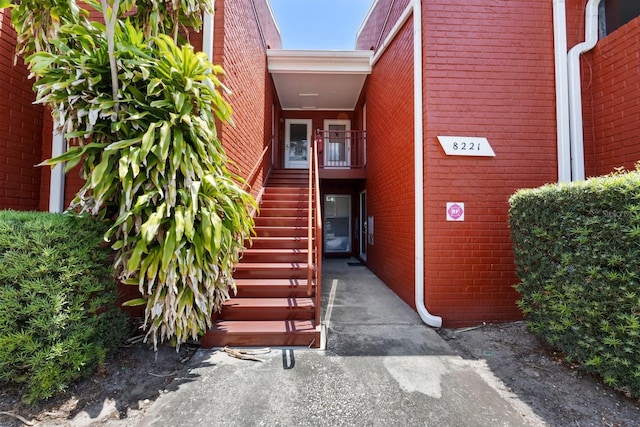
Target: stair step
x=275 y=221
x=279 y=242
x=300 y=173
x=262 y=334
x=289 y=170
x=271 y=270
x=287 y=182
x=289 y=204
x=276 y=176
x=291 y=255
x=276 y=197
x=279 y=190
x=283 y=212
x=271 y=288
x=291 y=308
x=265 y=231
x=293 y=176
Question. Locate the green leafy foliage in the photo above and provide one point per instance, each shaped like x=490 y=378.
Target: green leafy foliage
x=154 y=165
x=37 y=22
x=156 y=17
x=58 y=312
x=577 y=250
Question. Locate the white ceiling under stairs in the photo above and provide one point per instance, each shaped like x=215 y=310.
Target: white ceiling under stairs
x=319 y=79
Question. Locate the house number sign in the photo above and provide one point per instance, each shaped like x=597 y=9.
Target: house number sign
x=466 y=146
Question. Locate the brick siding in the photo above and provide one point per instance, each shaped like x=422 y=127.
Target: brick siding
x=489 y=72
x=390 y=189
x=379 y=23
x=21 y=122
x=240 y=50
x=611 y=101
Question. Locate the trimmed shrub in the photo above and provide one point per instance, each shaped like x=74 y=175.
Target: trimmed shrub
x=577 y=250
x=58 y=317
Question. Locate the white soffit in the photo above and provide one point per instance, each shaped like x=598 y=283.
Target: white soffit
x=335 y=78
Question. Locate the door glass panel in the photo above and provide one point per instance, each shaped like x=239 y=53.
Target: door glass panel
x=296 y=148
x=299 y=146
x=336 y=145
x=337 y=227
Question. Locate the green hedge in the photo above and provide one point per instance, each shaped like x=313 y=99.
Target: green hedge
x=58 y=317
x=577 y=250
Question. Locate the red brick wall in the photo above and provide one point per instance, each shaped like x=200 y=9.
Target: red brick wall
x=240 y=50
x=611 y=101
x=488 y=72
x=268 y=25
x=390 y=189
x=378 y=25
x=21 y=124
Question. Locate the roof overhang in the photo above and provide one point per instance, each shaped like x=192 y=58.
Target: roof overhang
x=319 y=79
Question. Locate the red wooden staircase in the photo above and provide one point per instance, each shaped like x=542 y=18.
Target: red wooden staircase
x=274 y=304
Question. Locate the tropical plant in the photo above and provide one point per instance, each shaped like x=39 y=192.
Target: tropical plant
x=145 y=137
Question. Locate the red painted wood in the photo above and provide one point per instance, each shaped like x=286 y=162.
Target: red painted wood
x=271 y=288
x=300 y=214
x=275 y=255
x=264 y=333
x=291 y=308
x=272 y=306
x=271 y=270
x=275 y=221
x=281 y=231
x=279 y=242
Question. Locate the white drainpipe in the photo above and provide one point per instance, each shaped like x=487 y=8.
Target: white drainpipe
x=207 y=35
x=426 y=317
x=562 y=90
x=415 y=8
x=575 y=87
x=56 y=185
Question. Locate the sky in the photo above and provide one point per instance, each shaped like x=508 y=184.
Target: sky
x=319 y=24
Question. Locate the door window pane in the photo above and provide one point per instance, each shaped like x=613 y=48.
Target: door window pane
x=337 y=143
x=337 y=226
x=299 y=147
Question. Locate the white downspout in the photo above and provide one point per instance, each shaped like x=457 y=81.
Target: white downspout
x=562 y=90
x=428 y=318
x=56 y=185
x=575 y=89
x=207 y=35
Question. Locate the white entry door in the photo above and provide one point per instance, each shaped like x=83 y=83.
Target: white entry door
x=296 y=145
x=337 y=143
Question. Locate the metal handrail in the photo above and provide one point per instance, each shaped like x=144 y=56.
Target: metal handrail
x=310 y=229
x=248 y=182
x=318 y=235
x=353 y=148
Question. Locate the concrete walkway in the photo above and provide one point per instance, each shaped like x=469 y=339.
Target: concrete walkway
x=382 y=367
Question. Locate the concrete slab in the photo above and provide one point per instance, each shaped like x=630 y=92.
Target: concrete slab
x=381 y=367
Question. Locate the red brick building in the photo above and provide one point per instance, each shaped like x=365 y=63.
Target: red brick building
x=488 y=73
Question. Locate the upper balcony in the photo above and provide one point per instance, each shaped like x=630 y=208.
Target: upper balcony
x=341 y=154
